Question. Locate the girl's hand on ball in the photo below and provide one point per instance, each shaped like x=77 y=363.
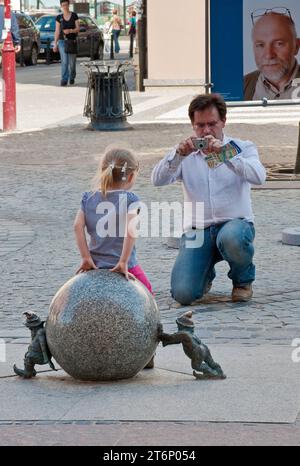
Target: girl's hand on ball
x=86 y=264
x=121 y=267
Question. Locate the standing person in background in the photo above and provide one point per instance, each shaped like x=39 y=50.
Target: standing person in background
x=67 y=27
x=14 y=29
x=117 y=25
x=107 y=33
x=132 y=32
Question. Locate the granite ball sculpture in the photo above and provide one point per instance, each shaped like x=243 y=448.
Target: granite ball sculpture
x=102 y=327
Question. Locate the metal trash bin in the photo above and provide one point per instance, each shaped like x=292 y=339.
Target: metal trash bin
x=107 y=101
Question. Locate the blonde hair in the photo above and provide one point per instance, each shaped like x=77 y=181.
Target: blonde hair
x=115 y=166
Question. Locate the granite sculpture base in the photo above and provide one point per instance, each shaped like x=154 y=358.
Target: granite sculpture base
x=102 y=327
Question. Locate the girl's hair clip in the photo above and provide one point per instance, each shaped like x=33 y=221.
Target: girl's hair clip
x=112 y=166
x=123 y=170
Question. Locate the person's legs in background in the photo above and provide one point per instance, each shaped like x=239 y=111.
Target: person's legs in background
x=107 y=43
x=132 y=36
x=64 y=63
x=72 y=67
x=116 y=34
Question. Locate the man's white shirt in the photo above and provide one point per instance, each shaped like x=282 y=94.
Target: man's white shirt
x=224 y=191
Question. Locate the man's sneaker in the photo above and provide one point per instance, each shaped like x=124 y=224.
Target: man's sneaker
x=242 y=293
x=63 y=83
x=72 y=81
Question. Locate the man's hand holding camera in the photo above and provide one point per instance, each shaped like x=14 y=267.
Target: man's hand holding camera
x=208 y=144
x=213 y=145
x=186 y=147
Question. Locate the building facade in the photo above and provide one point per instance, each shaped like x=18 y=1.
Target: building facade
x=106 y=8
x=175 y=43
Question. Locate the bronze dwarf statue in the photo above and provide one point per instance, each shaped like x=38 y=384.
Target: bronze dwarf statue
x=38 y=351
x=202 y=362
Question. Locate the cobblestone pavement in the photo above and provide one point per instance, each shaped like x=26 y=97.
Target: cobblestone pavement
x=42 y=176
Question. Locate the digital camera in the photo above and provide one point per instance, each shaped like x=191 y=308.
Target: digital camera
x=200 y=143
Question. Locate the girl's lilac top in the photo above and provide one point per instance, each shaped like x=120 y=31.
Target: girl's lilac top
x=105 y=219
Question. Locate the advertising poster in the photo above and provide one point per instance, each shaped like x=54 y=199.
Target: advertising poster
x=255 y=49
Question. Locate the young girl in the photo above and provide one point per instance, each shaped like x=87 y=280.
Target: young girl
x=108 y=213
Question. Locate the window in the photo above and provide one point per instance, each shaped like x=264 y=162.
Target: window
x=83 y=23
x=90 y=23
x=46 y=23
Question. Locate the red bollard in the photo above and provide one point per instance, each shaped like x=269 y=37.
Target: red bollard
x=9 y=75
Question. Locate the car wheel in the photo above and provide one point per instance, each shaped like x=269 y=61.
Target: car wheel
x=33 y=56
x=99 y=55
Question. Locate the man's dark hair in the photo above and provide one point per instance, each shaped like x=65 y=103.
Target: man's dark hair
x=204 y=101
x=64 y=1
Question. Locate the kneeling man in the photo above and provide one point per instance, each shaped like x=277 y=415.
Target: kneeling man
x=219 y=175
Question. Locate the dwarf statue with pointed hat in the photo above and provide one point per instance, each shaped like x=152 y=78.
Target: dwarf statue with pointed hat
x=202 y=362
x=38 y=351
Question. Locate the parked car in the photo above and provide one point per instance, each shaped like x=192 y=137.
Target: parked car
x=90 y=38
x=35 y=16
x=30 y=39
x=46 y=26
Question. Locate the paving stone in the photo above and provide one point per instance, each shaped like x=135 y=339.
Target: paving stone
x=60 y=398
x=204 y=334
x=233 y=334
x=16 y=333
x=21 y=341
x=255 y=328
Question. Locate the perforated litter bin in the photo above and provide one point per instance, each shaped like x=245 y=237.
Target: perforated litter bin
x=107 y=101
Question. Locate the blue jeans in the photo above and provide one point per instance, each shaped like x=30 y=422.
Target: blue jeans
x=116 y=33
x=68 y=63
x=194 y=267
